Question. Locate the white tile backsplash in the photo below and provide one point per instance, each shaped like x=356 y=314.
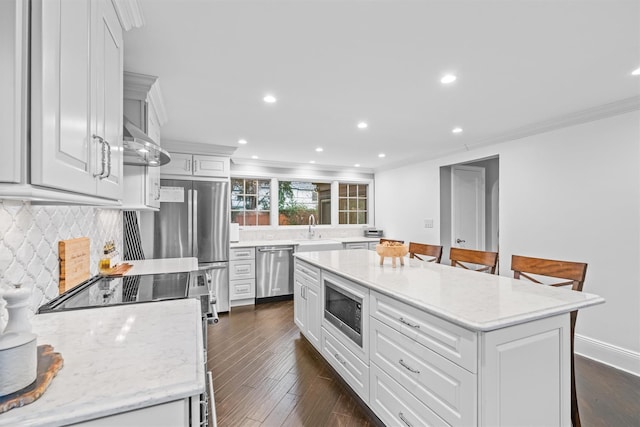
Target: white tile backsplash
x=29 y=236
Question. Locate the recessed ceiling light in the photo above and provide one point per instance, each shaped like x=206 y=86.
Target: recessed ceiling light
x=456 y=130
x=381 y=155
x=636 y=72
x=242 y=141
x=319 y=149
x=254 y=157
x=448 y=78
x=269 y=99
x=357 y=165
x=362 y=125
x=312 y=161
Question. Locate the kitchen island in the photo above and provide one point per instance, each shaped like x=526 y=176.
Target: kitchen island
x=140 y=364
x=437 y=345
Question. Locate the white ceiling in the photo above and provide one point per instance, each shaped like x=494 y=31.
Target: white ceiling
x=334 y=63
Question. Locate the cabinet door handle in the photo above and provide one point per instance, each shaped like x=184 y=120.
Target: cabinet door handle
x=188 y=165
x=404 y=420
x=101 y=141
x=408 y=323
x=407 y=367
x=106 y=143
x=195 y=166
x=340 y=359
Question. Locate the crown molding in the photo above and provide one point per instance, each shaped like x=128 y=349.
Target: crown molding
x=174 y=146
x=146 y=87
x=296 y=166
x=129 y=13
x=611 y=109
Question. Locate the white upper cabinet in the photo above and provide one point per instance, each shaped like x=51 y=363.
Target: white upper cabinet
x=143 y=106
x=13 y=87
x=76 y=97
x=197 y=165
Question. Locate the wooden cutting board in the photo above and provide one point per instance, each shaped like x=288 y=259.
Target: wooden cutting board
x=74 y=257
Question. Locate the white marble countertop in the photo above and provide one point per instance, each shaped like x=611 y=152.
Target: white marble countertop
x=162 y=265
x=117 y=359
x=476 y=301
x=290 y=242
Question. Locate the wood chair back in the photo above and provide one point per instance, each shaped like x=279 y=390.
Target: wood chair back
x=573 y=273
x=489 y=260
x=391 y=240
x=417 y=249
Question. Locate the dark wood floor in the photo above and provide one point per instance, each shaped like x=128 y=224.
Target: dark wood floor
x=266 y=374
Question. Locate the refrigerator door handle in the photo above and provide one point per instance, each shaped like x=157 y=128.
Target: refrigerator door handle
x=195 y=223
x=189 y=219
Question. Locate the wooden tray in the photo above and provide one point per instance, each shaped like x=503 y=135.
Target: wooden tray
x=118 y=271
x=49 y=363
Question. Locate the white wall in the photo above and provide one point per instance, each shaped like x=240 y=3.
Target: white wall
x=571 y=194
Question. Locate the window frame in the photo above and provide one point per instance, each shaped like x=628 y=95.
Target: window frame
x=334 y=183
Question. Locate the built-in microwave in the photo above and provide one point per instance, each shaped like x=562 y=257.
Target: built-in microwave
x=343 y=310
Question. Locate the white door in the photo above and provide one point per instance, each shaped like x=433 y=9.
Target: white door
x=467 y=207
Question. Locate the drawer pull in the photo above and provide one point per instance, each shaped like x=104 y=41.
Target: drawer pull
x=408 y=323
x=404 y=420
x=407 y=367
x=340 y=359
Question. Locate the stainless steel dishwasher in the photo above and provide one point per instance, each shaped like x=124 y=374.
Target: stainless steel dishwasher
x=274 y=273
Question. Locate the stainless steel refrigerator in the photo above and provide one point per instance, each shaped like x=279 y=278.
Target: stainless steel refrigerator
x=193 y=221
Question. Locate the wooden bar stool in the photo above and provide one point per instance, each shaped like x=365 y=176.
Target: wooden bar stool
x=391 y=240
x=573 y=273
x=433 y=251
x=458 y=256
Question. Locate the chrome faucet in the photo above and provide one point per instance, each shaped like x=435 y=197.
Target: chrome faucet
x=312 y=222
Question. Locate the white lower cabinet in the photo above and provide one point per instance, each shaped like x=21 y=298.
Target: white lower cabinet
x=443 y=386
x=307 y=302
x=395 y=406
x=171 y=414
x=242 y=276
x=350 y=367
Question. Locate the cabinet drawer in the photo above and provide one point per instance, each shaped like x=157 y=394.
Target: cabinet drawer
x=245 y=269
x=450 y=341
x=242 y=253
x=308 y=271
x=353 y=370
x=359 y=245
x=443 y=386
x=242 y=289
x=395 y=406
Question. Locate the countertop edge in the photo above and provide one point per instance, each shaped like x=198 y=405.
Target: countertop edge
x=474 y=326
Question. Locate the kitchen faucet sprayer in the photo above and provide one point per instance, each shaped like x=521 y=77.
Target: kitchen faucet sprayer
x=312 y=222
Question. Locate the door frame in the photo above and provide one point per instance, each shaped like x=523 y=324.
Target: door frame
x=479 y=208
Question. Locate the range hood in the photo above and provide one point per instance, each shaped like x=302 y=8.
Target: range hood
x=140 y=150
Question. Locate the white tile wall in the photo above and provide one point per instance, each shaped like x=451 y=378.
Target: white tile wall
x=29 y=236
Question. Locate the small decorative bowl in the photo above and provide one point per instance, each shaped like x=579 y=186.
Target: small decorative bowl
x=393 y=252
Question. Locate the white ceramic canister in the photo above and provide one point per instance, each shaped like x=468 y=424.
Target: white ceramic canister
x=18 y=347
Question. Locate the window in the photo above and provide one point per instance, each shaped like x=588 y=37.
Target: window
x=251 y=201
x=297 y=200
x=352 y=203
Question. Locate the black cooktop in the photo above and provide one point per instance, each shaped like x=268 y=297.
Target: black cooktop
x=100 y=291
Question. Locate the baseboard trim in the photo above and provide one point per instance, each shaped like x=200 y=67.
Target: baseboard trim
x=617 y=357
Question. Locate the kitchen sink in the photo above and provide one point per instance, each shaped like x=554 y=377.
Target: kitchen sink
x=310 y=245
